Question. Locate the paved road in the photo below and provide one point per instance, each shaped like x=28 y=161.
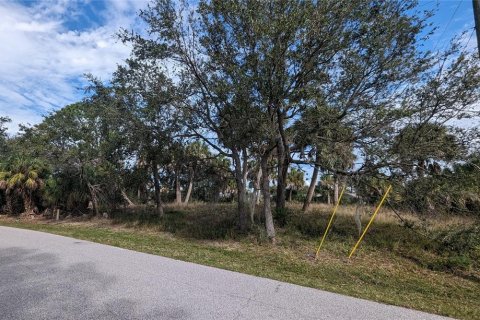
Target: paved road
x=44 y=276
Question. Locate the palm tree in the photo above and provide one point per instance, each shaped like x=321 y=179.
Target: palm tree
x=295 y=181
x=327 y=184
x=22 y=177
x=4 y=177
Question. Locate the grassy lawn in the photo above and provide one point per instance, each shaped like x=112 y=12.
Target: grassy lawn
x=394 y=264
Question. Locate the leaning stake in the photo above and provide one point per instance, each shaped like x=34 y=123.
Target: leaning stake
x=371 y=220
x=330 y=222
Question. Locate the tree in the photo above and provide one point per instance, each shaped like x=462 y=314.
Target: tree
x=3 y=150
x=251 y=68
x=218 y=105
x=295 y=181
x=382 y=86
x=23 y=177
x=240 y=68
x=239 y=91
x=197 y=154
x=215 y=181
x=322 y=140
x=3 y=136
x=150 y=97
x=326 y=185
x=418 y=145
x=84 y=146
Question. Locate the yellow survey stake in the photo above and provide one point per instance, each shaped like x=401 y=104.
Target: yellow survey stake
x=330 y=222
x=371 y=220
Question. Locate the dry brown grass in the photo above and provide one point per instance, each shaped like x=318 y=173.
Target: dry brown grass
x=386 y=215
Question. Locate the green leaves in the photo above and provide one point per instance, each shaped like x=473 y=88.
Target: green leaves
x=344 y=85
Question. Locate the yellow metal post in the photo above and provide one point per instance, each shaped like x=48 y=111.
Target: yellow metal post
x=330 y=222
x=371 y=220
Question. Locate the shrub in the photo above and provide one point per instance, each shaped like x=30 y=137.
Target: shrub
x=282 y=216
x=461 y=248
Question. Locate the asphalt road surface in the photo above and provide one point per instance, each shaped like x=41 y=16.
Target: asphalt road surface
x=44 y=276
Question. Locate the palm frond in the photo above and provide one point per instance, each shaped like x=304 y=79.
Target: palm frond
x=31 y=184
x=33 y=174
x=4 y=175
x=16 y=180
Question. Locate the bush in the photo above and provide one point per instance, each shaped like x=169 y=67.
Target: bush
x=309 y=225
x=282 y=216
x=461 y=248
x=207 y=227
x=196 y=221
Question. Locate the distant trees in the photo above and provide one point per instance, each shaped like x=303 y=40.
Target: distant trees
x=83 y=144
x=241 y=90
x=295 y=181
x=3 y=136
x=196 y=156
x=443 y=189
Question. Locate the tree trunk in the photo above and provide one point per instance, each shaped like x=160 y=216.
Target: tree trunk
x=142 y=194
x=242 y=205
x=93 y=196
x=283 y=158
x=8 y=203
x=329 y=201
x=255 y=197
x=127 y=199
x=156 y=184
x=241 y=171
x=28 y=204
x=267 y=210
x=178 y=191
x=281 y=175
x=358 y=217
x=421 y=168
x=190 y=186
x=335 y=190
x=311 y=189
x=216 y=195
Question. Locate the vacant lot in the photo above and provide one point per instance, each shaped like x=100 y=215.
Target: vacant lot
x=429 y=264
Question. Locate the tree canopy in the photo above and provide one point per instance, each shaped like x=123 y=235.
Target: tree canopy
x=225 y=96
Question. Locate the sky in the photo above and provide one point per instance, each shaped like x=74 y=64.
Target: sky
x=46 y=47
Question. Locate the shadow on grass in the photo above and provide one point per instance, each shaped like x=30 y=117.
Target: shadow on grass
x=198 y=222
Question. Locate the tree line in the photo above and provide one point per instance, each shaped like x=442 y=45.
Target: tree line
x=232 y=99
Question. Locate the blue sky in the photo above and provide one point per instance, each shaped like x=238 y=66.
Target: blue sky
x=47 y=46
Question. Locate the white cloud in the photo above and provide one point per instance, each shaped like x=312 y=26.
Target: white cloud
x=41 y=60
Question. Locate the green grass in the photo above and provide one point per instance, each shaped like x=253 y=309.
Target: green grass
x=393 y=265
